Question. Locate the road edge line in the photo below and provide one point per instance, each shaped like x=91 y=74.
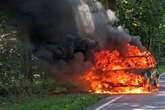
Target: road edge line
x=162 y=74
x=110 y=102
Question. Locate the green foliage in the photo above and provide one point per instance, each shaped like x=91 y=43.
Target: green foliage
x=60 y=102
x=161 y=68
x=18 y=67
x=144 y=18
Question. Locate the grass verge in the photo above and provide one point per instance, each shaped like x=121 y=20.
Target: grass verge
x=59 y=102
x=161 y=68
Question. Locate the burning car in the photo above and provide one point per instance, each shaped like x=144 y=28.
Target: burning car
x=130 y=74
x=60 y=33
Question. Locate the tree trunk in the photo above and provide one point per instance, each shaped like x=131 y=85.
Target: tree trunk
x=112 y=4
x=109 y=4
x=149 y=44
x=26 y=54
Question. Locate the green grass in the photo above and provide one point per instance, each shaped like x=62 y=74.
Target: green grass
x=60 y=102
x=161 y=68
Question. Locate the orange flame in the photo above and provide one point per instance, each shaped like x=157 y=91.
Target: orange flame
x=112 y=73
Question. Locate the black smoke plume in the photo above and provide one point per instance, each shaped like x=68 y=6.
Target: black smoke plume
x=68 y=31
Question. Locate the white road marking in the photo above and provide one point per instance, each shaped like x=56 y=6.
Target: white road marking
x=108 y=103
x=162 y=74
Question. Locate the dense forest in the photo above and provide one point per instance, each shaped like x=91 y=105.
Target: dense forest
x=23 y=74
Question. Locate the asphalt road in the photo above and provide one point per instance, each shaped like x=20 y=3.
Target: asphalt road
x=155 y=101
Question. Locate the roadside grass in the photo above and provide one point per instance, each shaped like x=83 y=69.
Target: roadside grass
x=161 y=68
x=59 y=102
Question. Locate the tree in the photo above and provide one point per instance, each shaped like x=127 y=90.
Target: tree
x=145 y=19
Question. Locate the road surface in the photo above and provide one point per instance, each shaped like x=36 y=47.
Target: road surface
x=155 y=101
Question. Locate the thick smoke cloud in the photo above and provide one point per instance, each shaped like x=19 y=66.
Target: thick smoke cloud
x=68 y=32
